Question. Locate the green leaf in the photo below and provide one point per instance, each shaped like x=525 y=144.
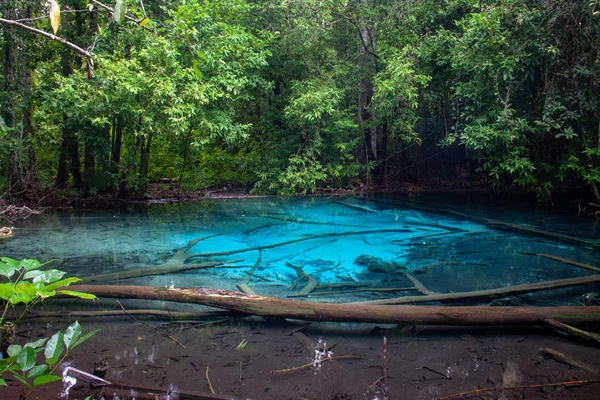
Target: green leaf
x=37 y=344
x=72 y=333
x=37 y=371
x=119 y=11
x=14 y=263
x=30 y=264
x=3 y=382
x=62 y=283
x=49 y=276
x=6 y=291
x=196 y=69
x=26 y=358
x=84 y=338
x=54 y=348
x=81 y=295
x=44 y=379
x=7 y=269
x=14 y=350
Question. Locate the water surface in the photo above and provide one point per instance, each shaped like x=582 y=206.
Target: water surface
x=440 y=239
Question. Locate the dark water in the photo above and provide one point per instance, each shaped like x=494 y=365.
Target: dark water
x=440 y=239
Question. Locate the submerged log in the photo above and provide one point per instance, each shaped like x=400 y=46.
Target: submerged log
x=283 y=308
x=539 y=232
x=491 y=293
x=160 y=270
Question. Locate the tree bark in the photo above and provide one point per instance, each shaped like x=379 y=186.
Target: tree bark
x=274 y=307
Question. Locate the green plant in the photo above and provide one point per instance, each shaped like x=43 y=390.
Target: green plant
x=27 y=286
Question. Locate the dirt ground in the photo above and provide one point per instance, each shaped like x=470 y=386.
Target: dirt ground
x=239 y=356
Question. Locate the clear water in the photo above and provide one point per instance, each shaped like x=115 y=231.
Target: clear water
x=447 y=252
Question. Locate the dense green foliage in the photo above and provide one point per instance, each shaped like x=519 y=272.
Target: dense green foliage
x=24 y=285
x=287 y=97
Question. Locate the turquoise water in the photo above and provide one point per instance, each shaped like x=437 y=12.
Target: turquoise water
x=446 y=247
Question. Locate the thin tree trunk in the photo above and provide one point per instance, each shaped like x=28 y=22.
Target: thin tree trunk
x=88 y=169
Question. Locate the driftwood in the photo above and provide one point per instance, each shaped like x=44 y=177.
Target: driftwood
x=565 y=359
x=311 y=284
x=491 y=293
x=580 y=333
x=284 y=308
x=243 y=285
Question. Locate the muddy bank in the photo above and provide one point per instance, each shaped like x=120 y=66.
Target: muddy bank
x=242 y=354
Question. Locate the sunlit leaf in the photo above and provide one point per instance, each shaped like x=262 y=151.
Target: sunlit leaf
x=119 y=11
x=45 y=276
x=7 y=269
x=54 y=15
x=72 y=333
x=37 y=343
x=54 y=348
x=62 y=283
x=81 y=295
x=16 y=264
x=26 y=359
x=6 y=291
x=30 y=264
x=14 y=349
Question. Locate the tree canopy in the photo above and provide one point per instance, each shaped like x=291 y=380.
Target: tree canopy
x=289 y=97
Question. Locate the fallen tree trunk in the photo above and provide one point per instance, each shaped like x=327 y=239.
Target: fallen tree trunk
x=274 y=307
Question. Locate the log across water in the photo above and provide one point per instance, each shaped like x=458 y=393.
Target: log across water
x=275 y=307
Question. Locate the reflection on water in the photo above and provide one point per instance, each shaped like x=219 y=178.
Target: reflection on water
x=341 y=240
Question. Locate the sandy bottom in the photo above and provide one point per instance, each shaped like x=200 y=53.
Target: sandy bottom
x=242 y=354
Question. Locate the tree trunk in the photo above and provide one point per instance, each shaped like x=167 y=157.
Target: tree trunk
x=8 y=107
x=145 y=159
x=274 y=307
x=116 y=144
x=73 y=147
x=88 y=169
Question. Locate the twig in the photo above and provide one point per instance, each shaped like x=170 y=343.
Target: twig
x=437 y=372
x=495 y=389
x=208 y=380
x=176 y=341
x=375 y=383
x=279 y=371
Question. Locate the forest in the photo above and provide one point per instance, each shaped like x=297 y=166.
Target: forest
x=295 y=96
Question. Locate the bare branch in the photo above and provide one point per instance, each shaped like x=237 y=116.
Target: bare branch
x=50 y=36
